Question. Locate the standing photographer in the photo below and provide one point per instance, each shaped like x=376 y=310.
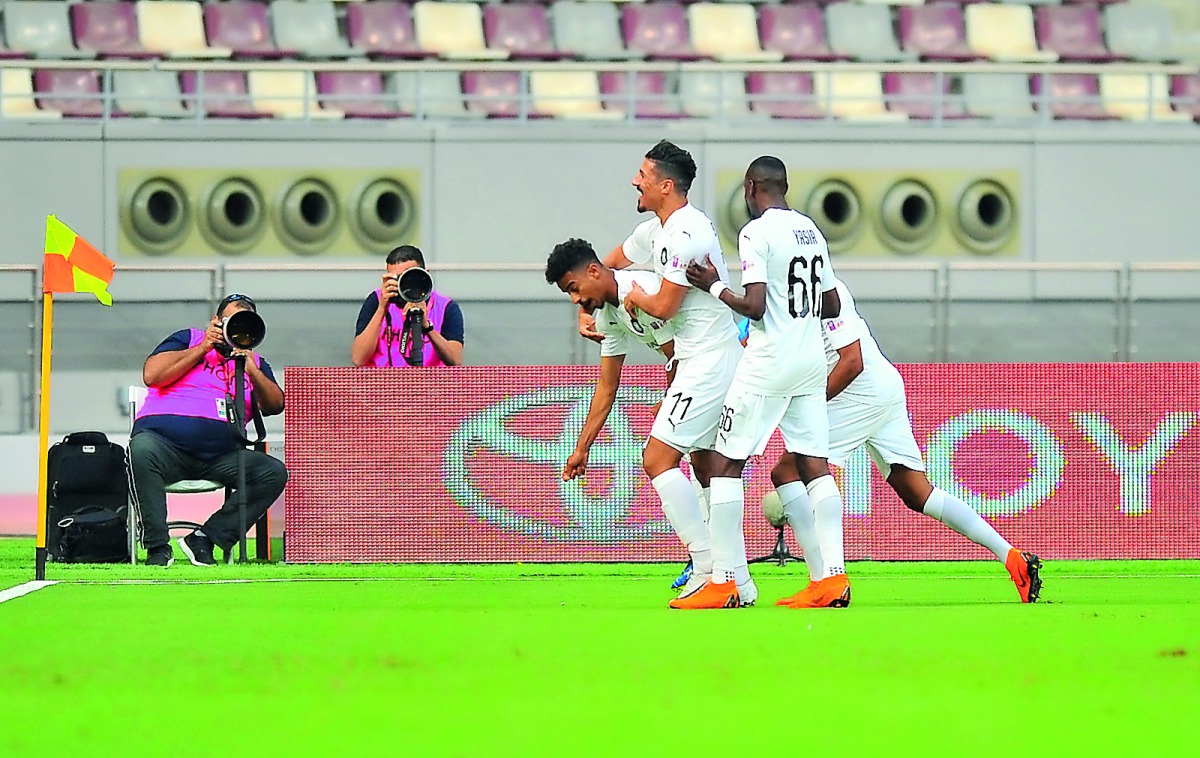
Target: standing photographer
x=182 y=431
x=406 y=322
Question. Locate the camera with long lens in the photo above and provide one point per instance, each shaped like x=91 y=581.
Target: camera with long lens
x=243 y=330
x=414 y=285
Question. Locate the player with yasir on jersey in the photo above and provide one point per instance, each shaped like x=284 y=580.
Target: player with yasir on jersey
x=867 y=406
x=706 y=344
x=788 y=280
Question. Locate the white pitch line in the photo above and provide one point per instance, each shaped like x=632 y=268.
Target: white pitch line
x=12 y=593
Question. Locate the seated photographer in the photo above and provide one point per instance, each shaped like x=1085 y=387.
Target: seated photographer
x=182 y=432
x=406 y=322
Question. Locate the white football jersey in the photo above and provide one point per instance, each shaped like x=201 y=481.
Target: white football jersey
x=785 y=353
x=703 y=322
x=614 y=322
x=879 y=383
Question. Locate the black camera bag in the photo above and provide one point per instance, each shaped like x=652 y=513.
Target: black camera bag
x=86 y=475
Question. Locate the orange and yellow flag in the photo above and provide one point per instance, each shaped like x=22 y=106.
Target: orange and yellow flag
x=73 y=265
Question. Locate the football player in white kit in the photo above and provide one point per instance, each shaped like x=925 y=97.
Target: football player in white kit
x=867 y=406
x=788 y=280
x=706 y=344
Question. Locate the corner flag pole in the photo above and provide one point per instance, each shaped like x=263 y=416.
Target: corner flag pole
x=44 y=432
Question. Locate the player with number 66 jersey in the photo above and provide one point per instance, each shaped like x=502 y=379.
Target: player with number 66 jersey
x=789 y=286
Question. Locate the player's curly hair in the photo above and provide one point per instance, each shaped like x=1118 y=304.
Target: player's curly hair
x=674 y=163
x=569 y=256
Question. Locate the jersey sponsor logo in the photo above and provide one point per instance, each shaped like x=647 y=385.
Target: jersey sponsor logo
x=834 y=325
x=675 y=262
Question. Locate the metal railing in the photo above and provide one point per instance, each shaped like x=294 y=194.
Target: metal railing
x=716 y=100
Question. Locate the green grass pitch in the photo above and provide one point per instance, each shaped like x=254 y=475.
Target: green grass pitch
x=564 y=660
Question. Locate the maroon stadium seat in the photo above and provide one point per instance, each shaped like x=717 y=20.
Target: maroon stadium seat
x=384 y=29
x=917 y=93
x=521 y=28
x=797 y=31
x=783 y=94
x=73 y=92
x=651 y=98
x=1072 y=31
x=1070 y=96
x=358 y=94
x=109 y=29
x=1186 y=91
x=244 y=28
x=935 y=32
x=659 y=30
x=495 y=94
x=225 y=94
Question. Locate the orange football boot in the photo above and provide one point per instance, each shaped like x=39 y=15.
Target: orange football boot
x=830 y=592
x=710 y=595
x=802 y=593
x=1025 y=568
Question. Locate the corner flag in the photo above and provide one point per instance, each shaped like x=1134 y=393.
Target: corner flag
x=71 y=263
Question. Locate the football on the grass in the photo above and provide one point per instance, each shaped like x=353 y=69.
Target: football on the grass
x=772 y=508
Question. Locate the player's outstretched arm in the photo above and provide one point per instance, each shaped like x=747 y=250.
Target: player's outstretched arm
x=846 y=370
x=616 y=258
x=603 y=398
x=663 y=304
x=753 y=304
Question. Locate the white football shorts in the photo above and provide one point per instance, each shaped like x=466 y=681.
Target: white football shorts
x=750 y=419
x=691 y=406
x=884 y=429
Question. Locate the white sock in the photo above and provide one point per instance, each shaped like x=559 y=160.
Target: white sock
x=705 y=499
x=726 y=516
x=797 y=507
x=960 y=517
x=827 y=516
x=682 y=509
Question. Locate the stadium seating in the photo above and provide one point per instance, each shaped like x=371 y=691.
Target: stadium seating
x=1070 y=96
x=589 y=30
x=1186 y=92
x=244 y=27
x=795 y=31
x=16 y=97
x=383 y=29
x=1137 y=97
x=864 y=32
x=452 y=30
x=1073 y=31
x=855 y=96
x=651 y=94
x=431 y=94
x=148 y=93
x=72 y=92
x=523 y=29
x=495 y=94
x=175 y=29
x=935 y=32
x=727 y=32
x=221 y=94
x=783 y=94
x=1004 y=33
x=358 y=94
x=658 y=30
x=998 y=96
x=919 y=96
x=568 y=94
x=714 y=94
x=1141 y=32
x=108 y=29
x=41 y=29
x=310 y=28
x=287 y=94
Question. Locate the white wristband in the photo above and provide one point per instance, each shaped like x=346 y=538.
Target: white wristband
x=717 y=288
